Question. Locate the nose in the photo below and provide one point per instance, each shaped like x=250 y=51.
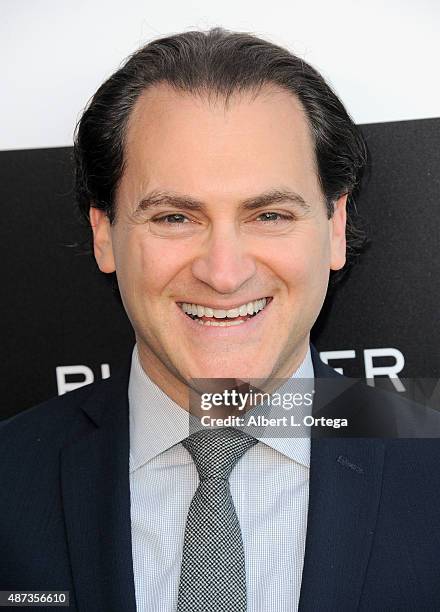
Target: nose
x=224 y=264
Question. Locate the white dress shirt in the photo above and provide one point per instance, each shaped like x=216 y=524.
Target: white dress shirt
x=269 y=487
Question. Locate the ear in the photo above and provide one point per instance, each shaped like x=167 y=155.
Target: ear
x=337 y=236
x=102 y=240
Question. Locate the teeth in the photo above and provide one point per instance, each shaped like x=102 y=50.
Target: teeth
x=204 y=311
x=242 y=310
x=219 y=323
x=219 y=314
x=231 y=314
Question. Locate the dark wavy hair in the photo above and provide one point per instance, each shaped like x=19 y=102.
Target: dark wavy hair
x=217 y=62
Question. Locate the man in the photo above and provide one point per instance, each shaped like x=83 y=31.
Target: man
x=216 y=169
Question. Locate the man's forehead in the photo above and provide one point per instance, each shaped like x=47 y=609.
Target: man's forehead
x=188 y=143
x=159 y=100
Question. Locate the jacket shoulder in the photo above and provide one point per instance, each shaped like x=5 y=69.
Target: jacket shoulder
x=50 y=421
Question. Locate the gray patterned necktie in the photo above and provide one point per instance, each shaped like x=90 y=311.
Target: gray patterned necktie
x=213 y=575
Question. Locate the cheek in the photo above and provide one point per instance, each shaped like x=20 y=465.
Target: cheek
x=150 y=263
x=303 y=263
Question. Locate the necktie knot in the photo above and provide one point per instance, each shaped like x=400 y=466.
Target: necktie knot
x=215 y=452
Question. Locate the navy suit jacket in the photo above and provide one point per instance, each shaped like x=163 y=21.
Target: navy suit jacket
x=373 y=534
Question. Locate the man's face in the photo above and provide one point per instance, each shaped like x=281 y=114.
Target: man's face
x=220 y=208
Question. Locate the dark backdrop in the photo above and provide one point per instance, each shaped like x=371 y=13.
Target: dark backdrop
x=58 y=310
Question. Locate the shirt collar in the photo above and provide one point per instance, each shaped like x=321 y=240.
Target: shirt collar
x=157 y=423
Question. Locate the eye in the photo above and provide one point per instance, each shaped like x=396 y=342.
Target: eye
x=173 y=219
x=274 y=217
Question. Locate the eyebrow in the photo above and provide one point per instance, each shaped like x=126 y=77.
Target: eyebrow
x=183 y=202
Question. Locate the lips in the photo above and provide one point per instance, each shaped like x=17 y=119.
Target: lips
x=211 y=317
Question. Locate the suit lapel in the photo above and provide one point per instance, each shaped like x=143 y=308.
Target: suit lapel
x=96 y=499
x=345 y=480
x=344 y=494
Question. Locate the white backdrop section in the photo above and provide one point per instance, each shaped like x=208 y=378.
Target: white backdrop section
x=380 y=56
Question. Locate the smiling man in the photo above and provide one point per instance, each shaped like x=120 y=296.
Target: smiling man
x=222 y=241
x=217 y=172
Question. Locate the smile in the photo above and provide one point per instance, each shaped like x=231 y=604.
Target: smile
x=205 y=315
